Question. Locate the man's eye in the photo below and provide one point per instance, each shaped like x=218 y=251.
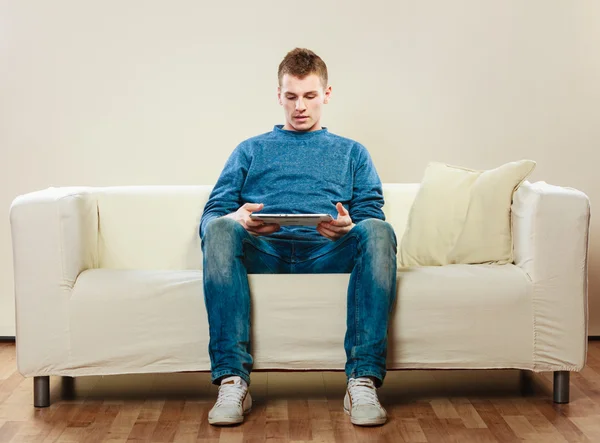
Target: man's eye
x=290 y=98
x=310 y=97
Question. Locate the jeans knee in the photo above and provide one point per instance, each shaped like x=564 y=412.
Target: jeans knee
x=377 y=245
x=222 y=229
x=222 y=239
x=374 y=229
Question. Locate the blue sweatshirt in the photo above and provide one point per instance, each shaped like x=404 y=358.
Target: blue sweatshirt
x=298 y=173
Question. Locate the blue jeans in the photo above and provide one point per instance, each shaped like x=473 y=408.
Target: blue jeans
x=368 y=252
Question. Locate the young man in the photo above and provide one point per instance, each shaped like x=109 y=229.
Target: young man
x=299 y=167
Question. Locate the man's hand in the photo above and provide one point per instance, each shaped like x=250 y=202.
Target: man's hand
x=339 y=227
x=254 y=227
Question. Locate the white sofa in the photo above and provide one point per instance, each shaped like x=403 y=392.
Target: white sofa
x=109 y=281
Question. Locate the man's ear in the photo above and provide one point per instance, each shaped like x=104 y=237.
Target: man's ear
x=279 y=95
x=327 y=94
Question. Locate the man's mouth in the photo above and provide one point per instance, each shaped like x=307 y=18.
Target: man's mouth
x=301 y=117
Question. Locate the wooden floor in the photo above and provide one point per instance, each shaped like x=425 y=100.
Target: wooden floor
x=423 y=406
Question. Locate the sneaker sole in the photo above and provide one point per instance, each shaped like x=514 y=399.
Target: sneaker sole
x=363 y=422
x=224 y=421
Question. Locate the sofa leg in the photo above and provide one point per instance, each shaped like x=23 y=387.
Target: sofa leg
x=41 y=391
x=561 y=386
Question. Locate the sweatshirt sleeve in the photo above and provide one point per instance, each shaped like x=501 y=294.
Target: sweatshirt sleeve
x=367 y=192
x=226 y=194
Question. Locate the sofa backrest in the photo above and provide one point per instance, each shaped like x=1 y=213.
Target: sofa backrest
x=156 y=227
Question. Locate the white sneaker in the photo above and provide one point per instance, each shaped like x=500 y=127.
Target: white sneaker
x=233 y=402
x=361 y=403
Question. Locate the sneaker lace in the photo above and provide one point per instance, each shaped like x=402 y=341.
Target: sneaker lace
x=230 y=393
x=363 y=392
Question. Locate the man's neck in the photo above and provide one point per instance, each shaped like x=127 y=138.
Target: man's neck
x=288 y=127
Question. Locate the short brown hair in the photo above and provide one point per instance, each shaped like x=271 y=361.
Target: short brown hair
x=301 y=62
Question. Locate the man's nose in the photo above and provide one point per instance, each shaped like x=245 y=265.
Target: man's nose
x=300 y=105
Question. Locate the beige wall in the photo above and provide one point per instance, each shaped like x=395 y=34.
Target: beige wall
x=153 y=92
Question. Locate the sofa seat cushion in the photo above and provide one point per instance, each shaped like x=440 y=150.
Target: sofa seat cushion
x=455 y=316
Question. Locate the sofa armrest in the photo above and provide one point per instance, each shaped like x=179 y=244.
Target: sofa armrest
x=551 y=234
x=54 y=238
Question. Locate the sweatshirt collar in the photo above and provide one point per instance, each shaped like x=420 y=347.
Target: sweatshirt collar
x=278 y=129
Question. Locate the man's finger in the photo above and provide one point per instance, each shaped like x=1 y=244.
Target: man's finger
x=259 y=228
x=252 y=206
x=341 y=209
x=266 y=229
x=329 y=232
x=324 y=234
x=332 y=227
x=254 y=223
x=341 y=222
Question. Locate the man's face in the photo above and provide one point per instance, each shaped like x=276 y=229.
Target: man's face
x=302 y=100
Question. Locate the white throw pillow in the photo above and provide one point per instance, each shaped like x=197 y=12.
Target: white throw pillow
x=462 y=215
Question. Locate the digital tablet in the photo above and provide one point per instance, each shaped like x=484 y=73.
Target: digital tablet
x=293 y=219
